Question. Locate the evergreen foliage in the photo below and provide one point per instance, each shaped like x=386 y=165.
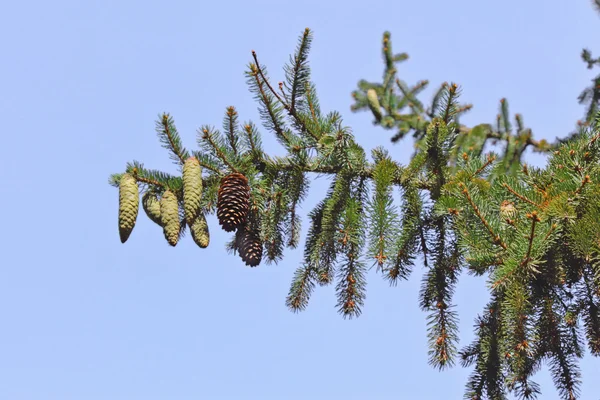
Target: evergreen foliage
x=533 y=233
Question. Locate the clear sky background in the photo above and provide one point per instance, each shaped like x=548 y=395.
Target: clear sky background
x=85 y=317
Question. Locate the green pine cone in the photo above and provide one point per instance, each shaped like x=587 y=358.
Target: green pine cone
x=129 y=203
x=151 y=205
x=169 y=213
x=192 y=189
x=200 y=233
x=374 y=105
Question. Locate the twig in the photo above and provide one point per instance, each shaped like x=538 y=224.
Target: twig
x=496 y=238
x=220 y=154
x=290 y=110
x=490 y=160
x=165 y=122
x=256 y=71
x=521 y=197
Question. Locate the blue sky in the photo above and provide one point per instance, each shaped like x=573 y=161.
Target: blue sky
x=85 y=317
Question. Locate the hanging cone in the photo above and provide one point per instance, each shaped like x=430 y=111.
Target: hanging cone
x=373 y=102
x=169 y=212
x=249 y=246
x=199 y=230
x=508 y=210
x=192 y=189
x=151 y=206
x=233 y=201
x=129 y=203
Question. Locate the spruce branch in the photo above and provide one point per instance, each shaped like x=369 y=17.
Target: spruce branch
x=313 y=102
x=206 y=134
x=495 y=238
x=383 y=213
x=351 y=273
x=147 y=181
x=591 y=313
x=411 y=237
x=270 y=112
x=534 y=220
x=169 y=137
x=436 y=294
x=519 y=196
x=207 y=161
x=259 y=71
x=229 y=126
x=453 y=199
x=332 y=211
x=449 y=108
x=488 y=375
x=302 y=286
x=298 y=73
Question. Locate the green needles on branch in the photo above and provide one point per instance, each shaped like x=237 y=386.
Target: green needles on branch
x=533 y=233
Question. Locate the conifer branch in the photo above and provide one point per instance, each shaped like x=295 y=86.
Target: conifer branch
x=424 y=248
x=266 y=81
x=591 y=316
x=496 y=239
x=209 y=139
x=299 y=71
x=407 y=242
x=449 y=109
x=586 y=179
x=291 y=109
x=148 y=181
x=534 y=219
x=169 y=137
x=229 y=125
x=519 y=196
x=248 y=130
x=302 y=286
x=528 y=321
x=257 y=73
x=311 y=102
x=294 y=228
x=409 y=95
x=351 y=277
x=202 y=159
x=490 y=159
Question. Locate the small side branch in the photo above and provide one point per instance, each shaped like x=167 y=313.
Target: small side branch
x=584 y=182
x=490 y=159
x=291 y=110
x=218 y=151
x=535 y=219
x=495 y=237
x=519 y=196
x=256 y=71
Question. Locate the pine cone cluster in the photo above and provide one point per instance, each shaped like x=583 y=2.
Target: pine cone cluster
x=167 y=210
x=173 y=211
x=233 y=206
x=233 y=201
